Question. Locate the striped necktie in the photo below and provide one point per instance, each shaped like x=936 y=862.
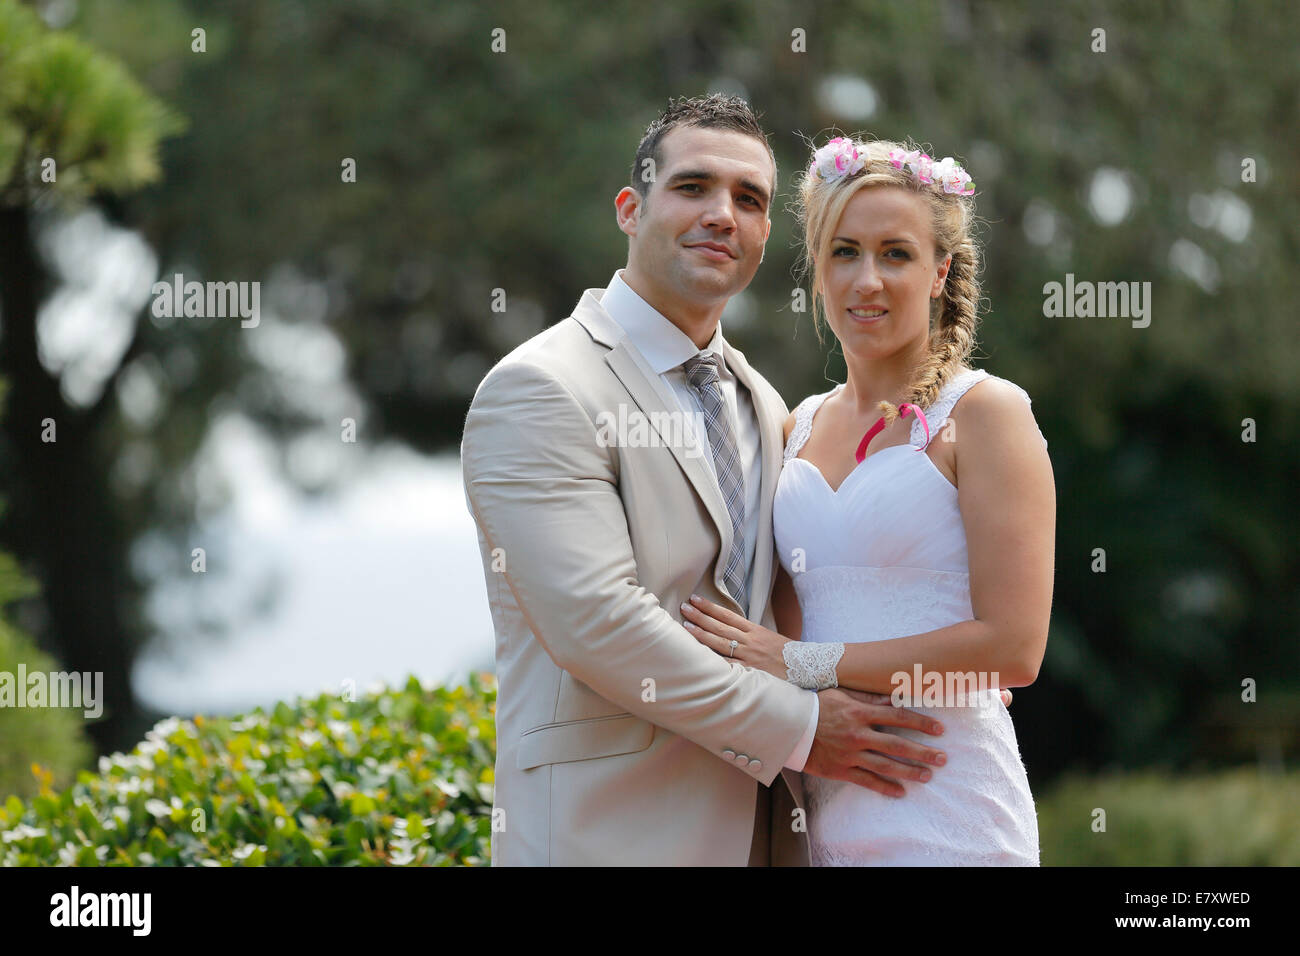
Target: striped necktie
x=702 y=375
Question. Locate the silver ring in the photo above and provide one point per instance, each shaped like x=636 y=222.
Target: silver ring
x=734 y=645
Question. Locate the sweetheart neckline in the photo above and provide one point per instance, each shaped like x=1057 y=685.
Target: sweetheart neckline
x=856 y=468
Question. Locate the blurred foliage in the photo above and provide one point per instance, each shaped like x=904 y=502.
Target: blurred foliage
x=480 y=170
x=74 y=124
x=400 y=777
x=51 y=737
x=61 y=100
x=1238 y=817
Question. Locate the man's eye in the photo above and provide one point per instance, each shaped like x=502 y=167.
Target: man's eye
x=753 y=200
x=689 y=186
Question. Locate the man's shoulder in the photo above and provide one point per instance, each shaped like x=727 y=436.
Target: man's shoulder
x=560 y=352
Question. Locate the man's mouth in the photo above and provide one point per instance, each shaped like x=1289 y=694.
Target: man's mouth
x=713 y=250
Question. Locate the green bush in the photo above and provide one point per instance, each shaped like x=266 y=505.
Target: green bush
x=401 y=777
x=1239 y=817
x=52 y=737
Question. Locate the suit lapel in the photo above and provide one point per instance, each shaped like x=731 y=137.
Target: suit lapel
x=630 y=368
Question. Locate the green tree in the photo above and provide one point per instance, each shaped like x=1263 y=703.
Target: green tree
x=72 y=124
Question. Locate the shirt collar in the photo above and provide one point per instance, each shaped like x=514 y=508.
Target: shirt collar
x=663 y=345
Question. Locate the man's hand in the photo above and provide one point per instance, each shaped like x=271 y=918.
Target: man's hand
x=847 y=747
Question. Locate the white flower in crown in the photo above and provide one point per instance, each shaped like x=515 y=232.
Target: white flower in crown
x=840 y=157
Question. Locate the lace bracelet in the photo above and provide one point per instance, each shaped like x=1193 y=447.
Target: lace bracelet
x=812 y=666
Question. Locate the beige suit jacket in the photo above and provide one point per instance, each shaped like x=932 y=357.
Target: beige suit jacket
x=620 y=737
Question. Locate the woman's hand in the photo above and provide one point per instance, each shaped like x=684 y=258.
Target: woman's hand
x=716 y=627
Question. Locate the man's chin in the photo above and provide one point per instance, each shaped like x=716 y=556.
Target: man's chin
x=717 y=282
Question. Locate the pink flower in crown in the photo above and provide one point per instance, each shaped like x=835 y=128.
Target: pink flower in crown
x=922 y=165
x=949 y=173
x=839 y=157
x=897 y=157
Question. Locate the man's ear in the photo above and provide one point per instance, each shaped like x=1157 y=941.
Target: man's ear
x=627 y=205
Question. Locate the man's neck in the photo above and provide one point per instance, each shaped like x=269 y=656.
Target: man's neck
x=697 y=324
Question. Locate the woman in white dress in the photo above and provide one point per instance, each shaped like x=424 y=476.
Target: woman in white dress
x=916 y=545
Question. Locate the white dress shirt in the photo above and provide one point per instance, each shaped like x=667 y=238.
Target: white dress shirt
x=665 y=347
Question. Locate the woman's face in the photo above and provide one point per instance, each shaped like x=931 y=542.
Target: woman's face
x=880 y=273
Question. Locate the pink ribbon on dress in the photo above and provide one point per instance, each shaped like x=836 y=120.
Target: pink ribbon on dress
x=880 y=424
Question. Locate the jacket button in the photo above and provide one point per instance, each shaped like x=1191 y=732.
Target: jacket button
x=742 y=759
x=756 y=765
x=729 y=754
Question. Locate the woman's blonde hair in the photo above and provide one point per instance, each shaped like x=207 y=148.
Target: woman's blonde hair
x=954 y=314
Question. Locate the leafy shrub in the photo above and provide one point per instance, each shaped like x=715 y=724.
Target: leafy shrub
x=400 y=777
x=50 y=736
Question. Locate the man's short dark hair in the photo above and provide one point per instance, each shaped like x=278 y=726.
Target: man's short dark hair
x=715 y=111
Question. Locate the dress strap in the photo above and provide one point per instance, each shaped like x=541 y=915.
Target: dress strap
x=938 y=413
x=803 y=416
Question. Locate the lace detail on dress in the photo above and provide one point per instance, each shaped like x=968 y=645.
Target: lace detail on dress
x=861 y=604
x=803 y=416
x=937 y=414
x=977 y=810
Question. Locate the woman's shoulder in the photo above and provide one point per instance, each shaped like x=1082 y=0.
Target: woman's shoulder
x=995 y=390
x=989 y=401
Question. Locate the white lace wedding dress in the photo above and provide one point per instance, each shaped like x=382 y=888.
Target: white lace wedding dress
x=884 y=556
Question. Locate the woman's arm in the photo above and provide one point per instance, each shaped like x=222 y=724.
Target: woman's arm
x=1007 y=496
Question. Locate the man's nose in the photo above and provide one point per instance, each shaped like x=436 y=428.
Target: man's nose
x=720 y=214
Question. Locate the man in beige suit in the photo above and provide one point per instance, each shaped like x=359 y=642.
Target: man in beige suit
x=615 y=464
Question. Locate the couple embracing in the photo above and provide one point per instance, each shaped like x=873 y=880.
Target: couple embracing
x=708 y=652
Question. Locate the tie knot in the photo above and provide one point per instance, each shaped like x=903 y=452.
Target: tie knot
x=701 y=369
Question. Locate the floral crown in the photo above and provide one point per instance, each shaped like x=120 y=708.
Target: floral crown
x=842 y=157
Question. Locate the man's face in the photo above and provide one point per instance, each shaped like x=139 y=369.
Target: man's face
x=699 y=238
